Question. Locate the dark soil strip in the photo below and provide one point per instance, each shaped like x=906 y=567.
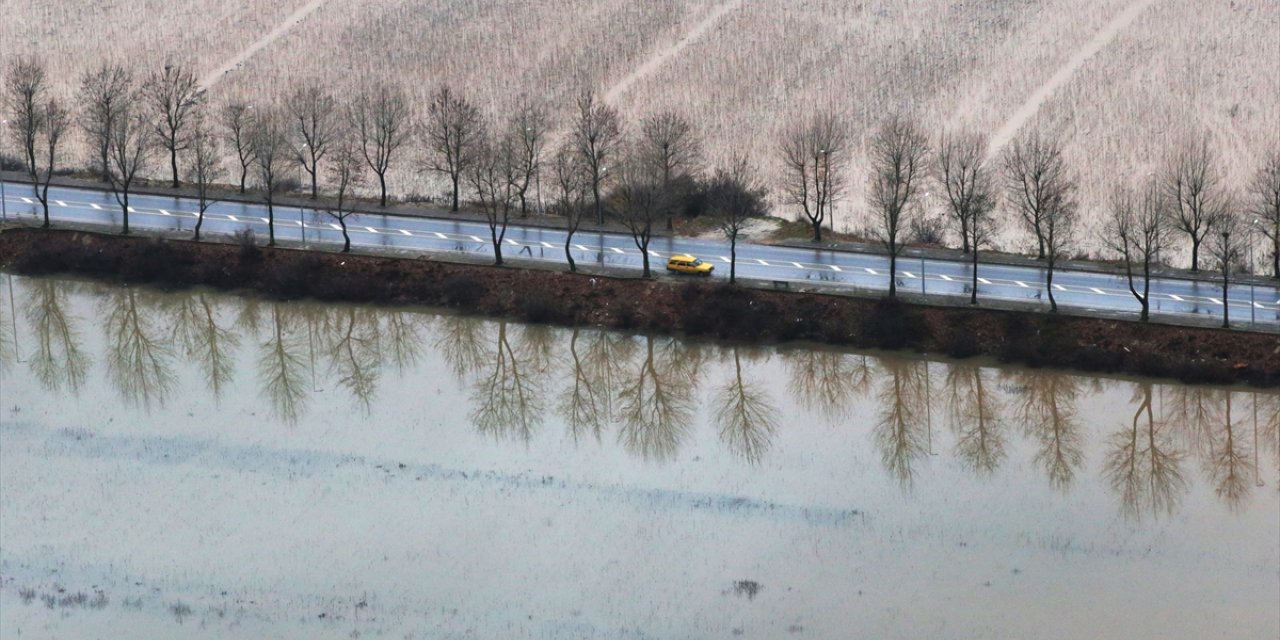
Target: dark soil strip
x=698 y=309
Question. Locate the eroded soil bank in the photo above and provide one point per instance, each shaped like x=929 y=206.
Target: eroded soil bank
x=699 y=309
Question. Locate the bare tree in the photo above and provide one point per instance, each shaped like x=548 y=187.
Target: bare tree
x=573 y=184
x=1037 y=177
x=1058 y=225
x=597 y=134
x=1226 y=245
x=453 y=133
x=268 y=138
x=670 y=145
x=967 y=181
x=380 y=117
x=1264 y=192
x=129 y=152
x=314 y=115
x=173 y=94
x=814 y=163
x=40 y=122
x=237 y=118
x=346 y=172
x=206 y=166
x=493 y=175
x=105 y=91
x=736 y=194
x=1191 y=184
x=1135 y=229
x=899 y=157
x=530 y=125
x=640 y=202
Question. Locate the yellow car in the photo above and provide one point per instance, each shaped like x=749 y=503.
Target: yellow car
x=684 y=263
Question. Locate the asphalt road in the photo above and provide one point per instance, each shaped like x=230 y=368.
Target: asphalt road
x=1250 y=306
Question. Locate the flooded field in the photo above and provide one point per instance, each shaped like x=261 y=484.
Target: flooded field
x=200 y=465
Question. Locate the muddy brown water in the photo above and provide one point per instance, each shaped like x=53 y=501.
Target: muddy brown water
x=204 y=465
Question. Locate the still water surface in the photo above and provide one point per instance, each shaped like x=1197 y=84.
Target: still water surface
x=203 y=465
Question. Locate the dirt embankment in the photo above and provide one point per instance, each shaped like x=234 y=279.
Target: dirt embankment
x=702 y=309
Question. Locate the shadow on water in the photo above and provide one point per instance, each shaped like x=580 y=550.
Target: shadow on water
x=647 y=393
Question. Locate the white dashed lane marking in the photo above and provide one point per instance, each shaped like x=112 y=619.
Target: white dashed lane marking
x=60 y=203
x=1176 y=297
x=947 y=278
x=267 y=220
x=984 y=281
x=835 y=268
x=908 y=274
x=724 y=258
x=616 y=250
x=1059 y=287
x=335 y=227
x=92 y=204
x=510 y=241
x=762 y=262
x=476 y=238
x=163 y=212
x=547 y=245
x=405 y=232
x=581 y=248
x=798 y=265
x=1022 y=284
x=1098 y=291
x=1215 y=301
x=441 y=235
x=870 y=271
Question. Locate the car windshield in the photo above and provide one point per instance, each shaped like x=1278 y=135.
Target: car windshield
x=696 y=263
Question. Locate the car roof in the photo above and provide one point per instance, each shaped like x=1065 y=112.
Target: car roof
x=682 y=256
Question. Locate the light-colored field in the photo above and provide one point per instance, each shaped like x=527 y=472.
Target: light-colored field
x=1123 y=79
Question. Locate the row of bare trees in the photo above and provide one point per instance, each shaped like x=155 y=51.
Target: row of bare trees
x=643 y=175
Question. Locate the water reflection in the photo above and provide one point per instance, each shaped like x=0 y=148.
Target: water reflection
x=139 y=358
x=658 y=393
x=281 y=367
x=56 y=359
x=975 y=418
x=655 y=404
x=903 y=432
x=744 y=411
x=508 y=399
x=203 y=340
x=1142 y=463
x=826 y=380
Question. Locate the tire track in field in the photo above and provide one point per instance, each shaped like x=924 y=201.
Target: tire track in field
x=215 y=76
x=661 y=57
x=1060 y=77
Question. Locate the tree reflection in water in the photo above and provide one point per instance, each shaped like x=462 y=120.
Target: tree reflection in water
x=139 y=363
x=281 y=367
x=902 y=433
x=655 y=404
x=8 y=325
x=57 y=360
x=1229 y=457
x=1141 y=463
x=585 y=402
x=461 y=344
x=508 y=401
x=975 y=418
x=1266 y=417
x=744 y=413
x=402 y=331
x=351 y=348
x=1047 y=411
x=826 y=380
x=196 y=331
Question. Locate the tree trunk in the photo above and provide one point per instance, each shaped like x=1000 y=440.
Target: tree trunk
x=454 y=201
x=893 y=271
x=1146 y=290
x=497 y=246
x=313 y=172
x=125 y=208
x=1275 y=257
x=346 y=239
x=199 y=223
x=964 y=237
x=382 y=183
x=733 y=259
x=173 y=164
x=1048 y=285
x=568 y=255
x=1226 y=269
x=973 y=296
x=1195 y=254
x=817 y=230
x=1040 y=242
x=595 y=194
x=271 y=221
